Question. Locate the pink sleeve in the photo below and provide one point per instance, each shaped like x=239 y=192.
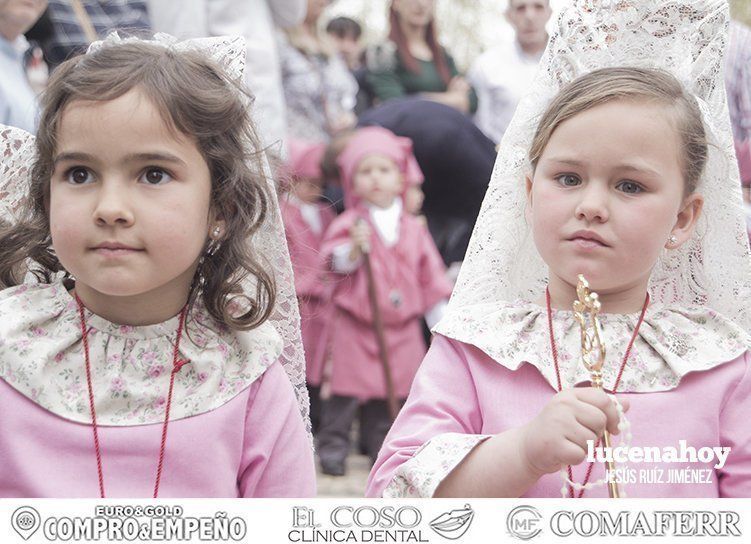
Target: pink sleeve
x=435 y=284
x=305 y=260
x=434 y=431
x=336 y=234
x=297 y=271
x=735 y=432
x=277 y=460
x=743 y=153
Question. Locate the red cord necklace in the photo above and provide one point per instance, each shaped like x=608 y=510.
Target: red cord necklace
x=177 y=364
x=554 y=349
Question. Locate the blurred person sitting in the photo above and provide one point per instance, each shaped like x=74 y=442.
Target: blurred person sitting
x=318 y=88
x=412 y=62
x=18 y=104
x=502 y=74
x=345 y=34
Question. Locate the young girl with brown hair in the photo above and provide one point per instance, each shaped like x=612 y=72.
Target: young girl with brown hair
x=148 y=358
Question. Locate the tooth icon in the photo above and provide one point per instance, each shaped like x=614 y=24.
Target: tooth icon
x=453 y=524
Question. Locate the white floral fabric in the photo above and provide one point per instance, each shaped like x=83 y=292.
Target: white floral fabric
x=671 y=342
x=42 y=357
x=419 y=477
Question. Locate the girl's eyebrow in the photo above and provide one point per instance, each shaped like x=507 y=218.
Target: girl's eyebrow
x=562 y=160
x=134 y=157
x=629 y=167
x=73 y=156
x=161 y=156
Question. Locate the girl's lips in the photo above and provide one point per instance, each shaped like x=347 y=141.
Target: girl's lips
x=107 y=251
x=587 y=243
x=588 y=236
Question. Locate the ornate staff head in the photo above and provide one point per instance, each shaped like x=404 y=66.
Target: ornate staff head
x=586 y=309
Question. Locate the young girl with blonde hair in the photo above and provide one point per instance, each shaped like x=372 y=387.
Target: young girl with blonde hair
x=627 y=180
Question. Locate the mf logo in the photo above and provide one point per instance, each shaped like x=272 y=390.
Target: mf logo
x=524 y=522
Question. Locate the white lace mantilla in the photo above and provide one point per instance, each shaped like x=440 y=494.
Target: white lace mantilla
x=671 y=342
x=42 y=357
x=713 y=269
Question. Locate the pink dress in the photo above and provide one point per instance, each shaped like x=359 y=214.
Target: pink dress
x=235 y=426
x=253 y=446
x=410 y=279
x=312 y=292
x=461 y=397
x=743 y=154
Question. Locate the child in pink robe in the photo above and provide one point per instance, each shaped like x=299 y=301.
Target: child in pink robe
x=410 y=282
x=152 y=356
x=605 y=187
x=306 y=219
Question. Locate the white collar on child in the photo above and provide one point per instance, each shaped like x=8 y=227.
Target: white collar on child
x=41 y=357
x=310 y=212
x=670 y=344
x=386 y=221
x=712 y=271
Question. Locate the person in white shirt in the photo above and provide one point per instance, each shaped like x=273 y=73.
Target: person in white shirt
x=501 y=75
x=254 y=20
x=18 y=104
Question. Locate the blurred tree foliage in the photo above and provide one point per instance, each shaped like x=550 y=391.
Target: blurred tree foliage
x=741 y=10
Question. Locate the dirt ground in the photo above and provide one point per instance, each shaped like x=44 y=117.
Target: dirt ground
x=352 y=484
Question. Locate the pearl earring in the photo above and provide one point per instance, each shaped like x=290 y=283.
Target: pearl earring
x=672 y=240
x=214 y=243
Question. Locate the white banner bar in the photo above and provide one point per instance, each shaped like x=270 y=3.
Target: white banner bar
x=283 y=521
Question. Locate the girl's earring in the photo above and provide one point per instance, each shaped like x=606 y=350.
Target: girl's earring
x=672 y=240
x=214 y=244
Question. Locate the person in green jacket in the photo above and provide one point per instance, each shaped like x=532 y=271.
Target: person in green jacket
x=412 y=61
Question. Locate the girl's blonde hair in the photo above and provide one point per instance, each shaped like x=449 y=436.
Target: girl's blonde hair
x=196 y=98
x=636 y=84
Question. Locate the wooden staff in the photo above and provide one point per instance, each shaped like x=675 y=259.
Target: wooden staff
x=379 y=332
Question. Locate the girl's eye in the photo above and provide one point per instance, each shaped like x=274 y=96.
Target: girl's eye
x=568 y=180
x=156 y=176
x=630 y=187
x=78 y=176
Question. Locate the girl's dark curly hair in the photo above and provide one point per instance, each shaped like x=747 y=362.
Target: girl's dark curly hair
x=198 y=99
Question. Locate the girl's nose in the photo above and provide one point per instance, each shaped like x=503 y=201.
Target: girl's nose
x=113 y=206
x=593 y=204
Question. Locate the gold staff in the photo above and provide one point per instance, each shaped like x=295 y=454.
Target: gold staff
x=593 y=355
